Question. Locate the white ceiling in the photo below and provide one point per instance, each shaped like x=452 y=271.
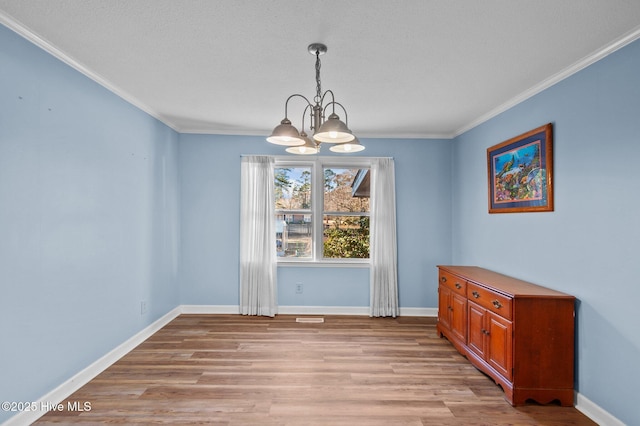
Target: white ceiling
x=401 y=68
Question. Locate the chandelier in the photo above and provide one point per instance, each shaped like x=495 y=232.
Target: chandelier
x=329 y=129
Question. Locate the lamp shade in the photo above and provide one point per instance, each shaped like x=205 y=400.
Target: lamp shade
x=348 y=147
x=285 y=134
x=333 y=131
x=309 y=147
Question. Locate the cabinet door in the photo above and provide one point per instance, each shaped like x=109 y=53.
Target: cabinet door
x=477 y=338
x=459 y=317
x=500 y=349
x=444 y=307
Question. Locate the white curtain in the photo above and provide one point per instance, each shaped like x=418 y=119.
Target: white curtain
x=383 y=247
x=257 y=237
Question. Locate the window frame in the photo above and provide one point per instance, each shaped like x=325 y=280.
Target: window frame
x=317 y=165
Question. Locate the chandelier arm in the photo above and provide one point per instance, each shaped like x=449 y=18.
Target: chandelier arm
x=333 y=100
x=303 y=113
x=286 y=104
x=334 y=103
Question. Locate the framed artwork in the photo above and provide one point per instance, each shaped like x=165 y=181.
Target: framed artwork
x=521 y=173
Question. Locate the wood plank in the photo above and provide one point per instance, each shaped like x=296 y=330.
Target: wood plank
x=240 y=370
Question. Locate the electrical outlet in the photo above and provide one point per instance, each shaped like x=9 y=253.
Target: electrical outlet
x=143 y=307
x=299 y=288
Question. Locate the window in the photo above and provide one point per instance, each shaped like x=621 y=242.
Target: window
x=322 y=210
x=294 y=218
x=345 y=216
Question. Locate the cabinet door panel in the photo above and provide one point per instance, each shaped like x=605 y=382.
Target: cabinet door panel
x=476 y=333
x=459 y=317
x=499 y=350
x=444 y=308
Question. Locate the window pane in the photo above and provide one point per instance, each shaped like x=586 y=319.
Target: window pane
x=345 y=237
x=293 y=188
x=294 y=235
x=346 y=190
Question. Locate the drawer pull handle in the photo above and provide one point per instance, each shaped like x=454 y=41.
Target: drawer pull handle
x=458 y=286
x=443 y=279
x=485 y=332
x=475 y=294
x=497 y=304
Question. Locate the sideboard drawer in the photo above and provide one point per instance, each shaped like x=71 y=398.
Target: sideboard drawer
x=495 y=302
x=455 y=283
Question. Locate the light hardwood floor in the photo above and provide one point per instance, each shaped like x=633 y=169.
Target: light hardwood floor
x=349 y=370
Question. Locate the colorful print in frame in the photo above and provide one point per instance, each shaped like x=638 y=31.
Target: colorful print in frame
x=521 y=173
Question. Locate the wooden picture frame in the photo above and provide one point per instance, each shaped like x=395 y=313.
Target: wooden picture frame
x=520 y=173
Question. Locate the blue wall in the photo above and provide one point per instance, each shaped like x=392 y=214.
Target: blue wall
x=95 y=197
x=88 y=221
x=590 y=245
x=210 y=198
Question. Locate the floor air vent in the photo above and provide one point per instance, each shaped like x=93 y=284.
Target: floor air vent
x=315 y=320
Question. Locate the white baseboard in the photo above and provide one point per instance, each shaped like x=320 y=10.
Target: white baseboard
x=595 y=412
x=323 y=310
x=209 y=309
x=419 y=312
x=59 y=394
x=307 y=310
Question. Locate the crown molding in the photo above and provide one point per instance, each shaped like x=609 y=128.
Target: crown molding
x=45 y=45
x=264 y=133
x=617 y=44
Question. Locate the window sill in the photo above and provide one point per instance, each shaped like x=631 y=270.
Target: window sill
x=325 y=264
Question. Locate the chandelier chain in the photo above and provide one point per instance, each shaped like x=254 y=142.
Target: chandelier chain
x=318 y=97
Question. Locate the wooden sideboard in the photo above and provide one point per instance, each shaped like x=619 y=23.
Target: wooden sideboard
x=519 y=334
